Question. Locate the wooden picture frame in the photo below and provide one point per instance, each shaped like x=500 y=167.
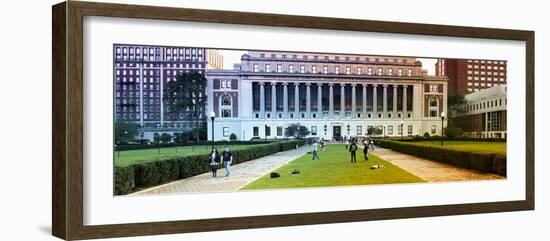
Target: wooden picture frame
x=67 y=124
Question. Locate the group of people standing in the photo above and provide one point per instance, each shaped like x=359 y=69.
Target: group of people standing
x=214 y=159
x=367 y=145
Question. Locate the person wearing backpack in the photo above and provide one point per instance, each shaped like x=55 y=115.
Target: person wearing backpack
x=213 y=161
x=353 y=150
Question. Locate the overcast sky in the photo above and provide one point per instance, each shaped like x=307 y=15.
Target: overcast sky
x=231 y=57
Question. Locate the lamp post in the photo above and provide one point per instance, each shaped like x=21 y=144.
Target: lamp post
x=212 y=117
x=402 y=130
x=442 y=132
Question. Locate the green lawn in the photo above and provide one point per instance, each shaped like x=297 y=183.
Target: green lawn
x=125 y=158
x=333 y=169
x=470 y=146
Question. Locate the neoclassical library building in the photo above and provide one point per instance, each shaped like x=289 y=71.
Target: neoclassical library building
x=332 y=95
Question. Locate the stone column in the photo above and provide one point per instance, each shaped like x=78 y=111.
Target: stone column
x=342 y=101
x=285 y=100
x=308 y=100
x=331 y=100
x=296 y=100
x=141 y=95
x=273 y=99
x=365 y=100
x=262 y=99
x=405 y=100
x=161 y=95
x=385 y=101
x=394 y=101
x=353 y=101
x=374 y=99
x=319 y=100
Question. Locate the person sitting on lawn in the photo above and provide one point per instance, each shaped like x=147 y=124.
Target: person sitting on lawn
x=214 y=160
x=352 y=150
x=227 y=157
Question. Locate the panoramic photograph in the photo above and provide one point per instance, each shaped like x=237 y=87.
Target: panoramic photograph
x=199 y=120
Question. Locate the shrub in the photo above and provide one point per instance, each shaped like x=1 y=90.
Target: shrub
x=124 y=180
x=426 y=134
x=141 y=175
x=483 y=162
x=233 y=137
x=452 y=131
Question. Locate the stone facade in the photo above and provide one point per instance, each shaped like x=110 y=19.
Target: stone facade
x=332 y=95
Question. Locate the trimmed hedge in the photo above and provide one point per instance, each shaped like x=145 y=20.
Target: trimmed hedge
x=172 y=144
x=142 y=175
x=493 y=163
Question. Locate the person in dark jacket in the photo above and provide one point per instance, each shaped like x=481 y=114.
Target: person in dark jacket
x=366 y=150
x=214 y=161
x=227 y=157
x=353 y=150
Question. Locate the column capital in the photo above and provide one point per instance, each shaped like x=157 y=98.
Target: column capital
x=285 y=83
x=261 y=83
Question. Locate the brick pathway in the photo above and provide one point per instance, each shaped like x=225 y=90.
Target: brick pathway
x=431 y=171
x=241 y=175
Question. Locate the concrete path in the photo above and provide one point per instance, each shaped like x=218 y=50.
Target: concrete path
x=429 y=170
x=241 y=175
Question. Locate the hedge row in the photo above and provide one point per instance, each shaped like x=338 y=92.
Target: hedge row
x=493 y=163
x=413 y=139
x=141 y=175
x=172 y=144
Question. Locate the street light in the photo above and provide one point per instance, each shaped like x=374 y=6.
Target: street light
x=442 y=119
x=212 y=117
x=402 y=130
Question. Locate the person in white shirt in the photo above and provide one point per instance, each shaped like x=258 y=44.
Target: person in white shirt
x=314 y=152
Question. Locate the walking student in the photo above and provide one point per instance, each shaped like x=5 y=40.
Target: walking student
x=314 y=152
x=227 y=157
x=214 y=160
x=352 y=150
x=366 y=151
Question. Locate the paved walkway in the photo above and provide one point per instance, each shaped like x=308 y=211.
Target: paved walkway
x=241 y=175
x=431 y=171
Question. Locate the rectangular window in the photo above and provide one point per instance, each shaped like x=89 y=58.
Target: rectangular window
x=256 y=131
x=267 y=68
x=225 y=131
x=291 y=68
x=400 y=72
x=279 y=131
x=348 y=70
x=279 y=68
x=434 y=129
x=410 y=72
x=359 y=130
x=380 y=71
x=337 y=70
x=314 y=69
x=302 y=69
x=267 y=130
x=359 y=71
x=390 y=71
x=255 y=68
x=369 y=71
x=314 y=130
x=325 y=69
x=390 y=130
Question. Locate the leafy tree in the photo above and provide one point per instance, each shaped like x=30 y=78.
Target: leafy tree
x=187 y=94
x=125 y=132
x=296 y=130
x=452 y=131
x=165 y=138
x=156 y=138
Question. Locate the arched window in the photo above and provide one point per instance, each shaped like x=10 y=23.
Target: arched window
x=433 y=106
x=226 y=106
x=226 y=100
